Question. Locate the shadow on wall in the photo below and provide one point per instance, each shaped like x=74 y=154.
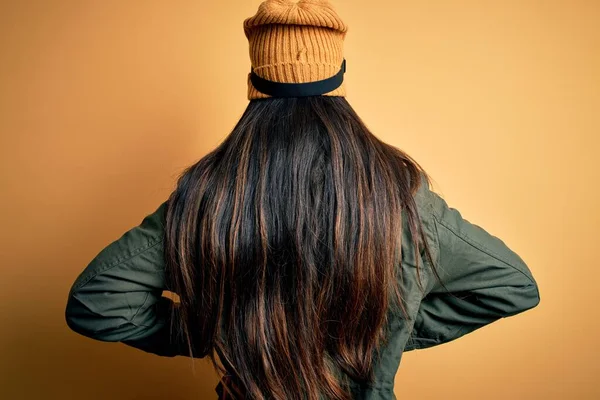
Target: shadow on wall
x=54 y=364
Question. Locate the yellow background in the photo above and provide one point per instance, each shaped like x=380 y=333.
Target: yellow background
x=103 y=103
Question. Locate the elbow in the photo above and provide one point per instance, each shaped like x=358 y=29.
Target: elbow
x=89 y=314
x=86 y=322
x=527 y=297
x=534 y=296
x=76 y=317
x=530 y=297
x=509 y=300
x=522 y=290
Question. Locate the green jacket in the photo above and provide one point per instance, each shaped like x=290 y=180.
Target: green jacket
x=118 y=296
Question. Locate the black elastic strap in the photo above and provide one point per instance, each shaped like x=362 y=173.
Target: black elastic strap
x=280 y=89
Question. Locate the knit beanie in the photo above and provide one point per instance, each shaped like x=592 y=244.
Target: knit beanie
x=296 y=50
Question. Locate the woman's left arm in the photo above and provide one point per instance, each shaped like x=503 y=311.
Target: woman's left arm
x=118 y=296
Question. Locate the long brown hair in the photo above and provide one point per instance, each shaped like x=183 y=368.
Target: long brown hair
x=283 y=244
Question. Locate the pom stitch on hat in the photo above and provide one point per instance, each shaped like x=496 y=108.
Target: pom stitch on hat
x=295 y=42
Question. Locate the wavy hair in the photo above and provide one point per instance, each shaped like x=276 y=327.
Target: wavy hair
x=284 y=246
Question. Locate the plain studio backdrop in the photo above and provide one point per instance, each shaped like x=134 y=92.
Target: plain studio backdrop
x=103 y=103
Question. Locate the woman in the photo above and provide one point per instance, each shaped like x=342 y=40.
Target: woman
x=307 y=255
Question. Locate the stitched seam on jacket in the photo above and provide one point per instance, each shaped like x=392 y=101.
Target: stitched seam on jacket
x=453 y=334
x=436 y=240
x=157 y=322
x=427 y=208
x=139 y=308
x=105 y=268
x=481 y=247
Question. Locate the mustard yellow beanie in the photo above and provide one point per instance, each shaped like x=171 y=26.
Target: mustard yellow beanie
x=296 y=50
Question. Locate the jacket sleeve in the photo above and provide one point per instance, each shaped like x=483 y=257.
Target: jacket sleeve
x=485 y=279
x=118 y=296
